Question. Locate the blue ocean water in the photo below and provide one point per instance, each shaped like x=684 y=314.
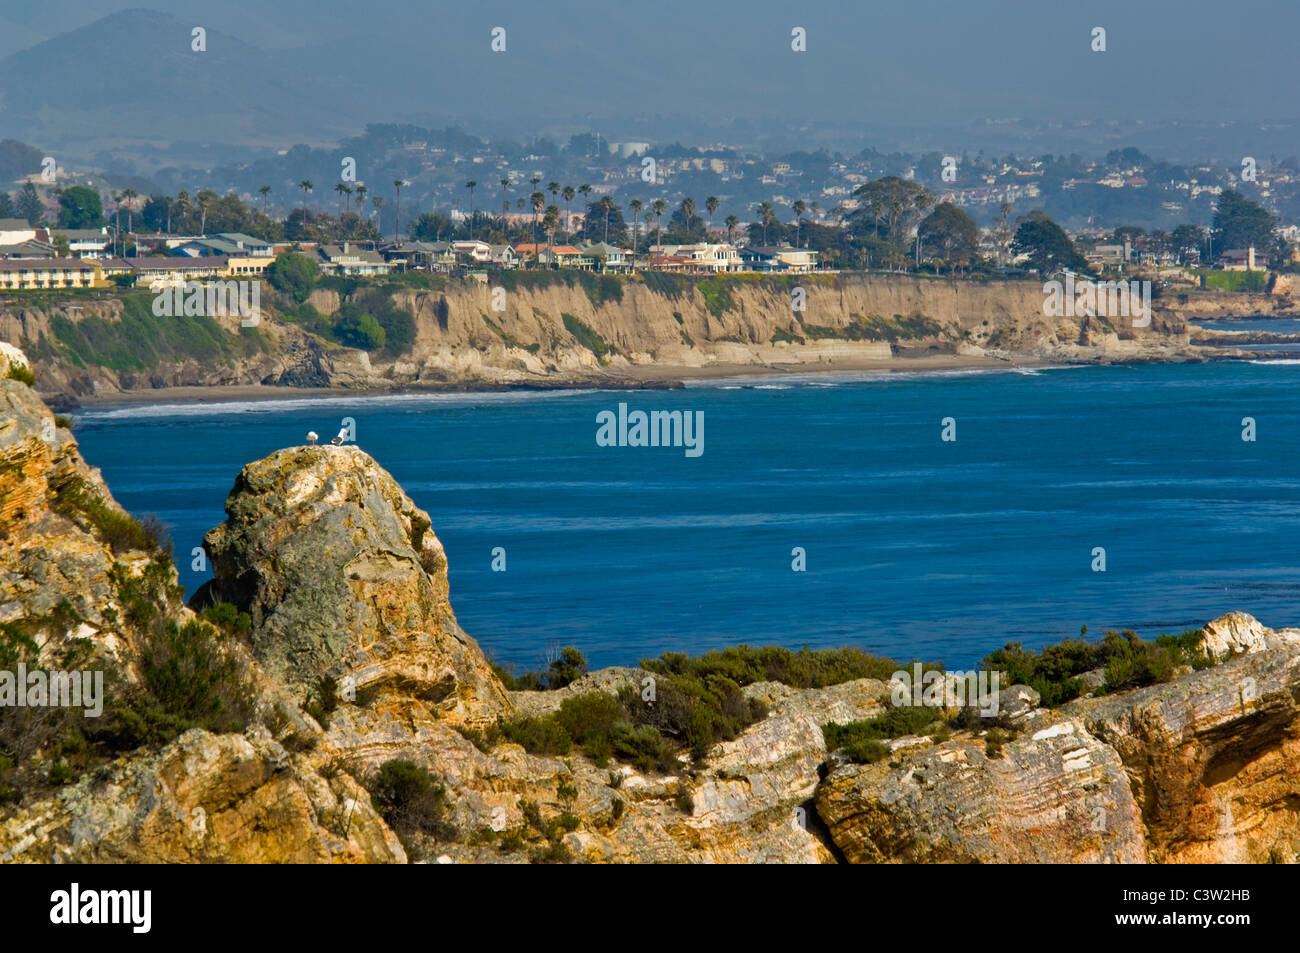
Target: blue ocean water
x=915 y=547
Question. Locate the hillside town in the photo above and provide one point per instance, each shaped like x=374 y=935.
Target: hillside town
x=1179 y=225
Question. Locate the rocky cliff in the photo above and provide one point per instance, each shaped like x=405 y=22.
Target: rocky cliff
x=347 y=658
x=544 y=329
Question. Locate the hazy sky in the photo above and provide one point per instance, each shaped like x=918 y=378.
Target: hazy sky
x=915 y=61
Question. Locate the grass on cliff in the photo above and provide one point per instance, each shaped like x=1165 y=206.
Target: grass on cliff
x=80 y=502
x=587 y=337
x=875 y=328
x=141 y=340
x=21 y=374
x=189 y=678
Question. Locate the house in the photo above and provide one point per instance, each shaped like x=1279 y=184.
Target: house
x=706 y=257
x=678 y=264
x=29 y=274
x=170 y=269
x=31 y=249
x=606 y=256
x=248 y=265
x=505 y=256
x=779 y=258
x=348 y=259
x=85 y=242
x=1242 y=259
x=15 y=231
x=561 y=256
x=224 y=243
x=472 y=252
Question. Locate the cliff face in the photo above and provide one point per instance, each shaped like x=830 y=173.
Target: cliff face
x=564 y=328
x=352 y=658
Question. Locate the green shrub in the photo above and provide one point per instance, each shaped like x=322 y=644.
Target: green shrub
x=858 y=740
x=18 y=372
x=1129 y=661
x=79 y=501
x=357 y=328
x=806 y=668
x=293 y=274
x=410 y=802
x=563 y=670
x=191 y=682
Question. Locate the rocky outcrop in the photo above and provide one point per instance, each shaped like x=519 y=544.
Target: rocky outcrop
x=1197 y=770
x=1058 y=796
x=345 y=580
x=1213 y=757
x=50 y=556
x=206 y=799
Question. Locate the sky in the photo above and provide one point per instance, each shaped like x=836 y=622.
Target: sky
x=933 y=61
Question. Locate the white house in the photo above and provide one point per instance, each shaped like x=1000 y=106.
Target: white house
x=15 y=231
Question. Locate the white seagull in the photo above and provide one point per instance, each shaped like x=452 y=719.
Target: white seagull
x=312 y=437
x=341 y=437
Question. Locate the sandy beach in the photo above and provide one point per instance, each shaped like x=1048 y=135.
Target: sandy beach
x=634 y=377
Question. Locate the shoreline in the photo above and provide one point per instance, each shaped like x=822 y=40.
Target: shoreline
x=636 y=377
x=628 y=378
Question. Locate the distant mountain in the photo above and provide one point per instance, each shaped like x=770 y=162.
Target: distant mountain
x=132 y=79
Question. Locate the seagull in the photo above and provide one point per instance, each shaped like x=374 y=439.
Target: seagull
x=337 y=441
x=312 y=438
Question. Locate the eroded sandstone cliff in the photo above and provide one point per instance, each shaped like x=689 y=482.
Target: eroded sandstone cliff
x=525 y=329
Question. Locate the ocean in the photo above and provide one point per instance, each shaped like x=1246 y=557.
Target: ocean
x=913 y=546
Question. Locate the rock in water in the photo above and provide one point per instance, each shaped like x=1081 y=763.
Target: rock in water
x=344 y=580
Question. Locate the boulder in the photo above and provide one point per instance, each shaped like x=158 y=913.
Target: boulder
x=344 y=580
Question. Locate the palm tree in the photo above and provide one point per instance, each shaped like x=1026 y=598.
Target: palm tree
x=635 y=205
x=659 y=206
x=712 y=203
x=265 y=190
x=361 y=199
x=766 y=214
x=505 y=200
x=554 y=189
x=130 y=195
x=346 y=192
x=182 y=206
x=538 y=200
x=306 y=186
x=471 y=185
x=205 y=200
x=397 y=206
x=568 y=193
x=731 y=223
x=798 y=208
x=551 y=221
x=379 y=202
x=688 y=211
x=608 y=205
